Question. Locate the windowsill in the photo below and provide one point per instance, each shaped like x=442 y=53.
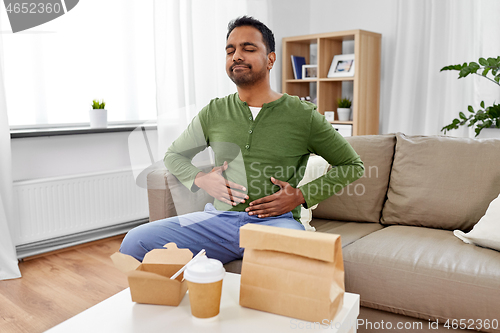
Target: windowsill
x=76 y=130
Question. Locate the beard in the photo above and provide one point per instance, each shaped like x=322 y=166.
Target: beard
x=248 y=77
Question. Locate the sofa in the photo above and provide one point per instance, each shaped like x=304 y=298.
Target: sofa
x=396 y=225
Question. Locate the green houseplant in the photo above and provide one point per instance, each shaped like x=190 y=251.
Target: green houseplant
x=344 y=103
x=484 y=117
x=98 y=114
x=98 y=105
x=344 y=109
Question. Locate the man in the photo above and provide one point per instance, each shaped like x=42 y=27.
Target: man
x=261 y=141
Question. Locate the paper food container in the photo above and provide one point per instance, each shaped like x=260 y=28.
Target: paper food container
x=150 y=281
x=294 y=273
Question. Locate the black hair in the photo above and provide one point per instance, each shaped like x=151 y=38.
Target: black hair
x=267 y=34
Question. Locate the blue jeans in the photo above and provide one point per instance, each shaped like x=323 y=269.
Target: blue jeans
x=218 y=232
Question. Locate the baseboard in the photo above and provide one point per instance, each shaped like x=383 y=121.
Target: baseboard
x=53 y=244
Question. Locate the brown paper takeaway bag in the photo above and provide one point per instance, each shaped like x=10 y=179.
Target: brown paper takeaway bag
x=299 y=274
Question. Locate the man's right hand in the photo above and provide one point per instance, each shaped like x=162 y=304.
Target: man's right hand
x=220 y=188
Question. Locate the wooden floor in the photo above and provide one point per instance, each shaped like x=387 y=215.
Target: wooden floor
x=58 y=286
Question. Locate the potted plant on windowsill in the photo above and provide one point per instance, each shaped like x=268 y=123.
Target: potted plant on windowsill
x=344 y=109
x=98 y=115
x=485 y=118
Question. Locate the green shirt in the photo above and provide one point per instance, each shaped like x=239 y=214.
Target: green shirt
x=276 y=143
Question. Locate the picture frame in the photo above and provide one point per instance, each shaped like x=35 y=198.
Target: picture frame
x=309 y=72
x=342 y=66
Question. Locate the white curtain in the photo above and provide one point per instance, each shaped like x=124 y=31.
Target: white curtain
x=190 y=37
x=430 y=35
x=8 y=259
x=98 y=50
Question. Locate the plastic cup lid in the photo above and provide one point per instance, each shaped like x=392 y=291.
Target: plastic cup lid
x=204 y=270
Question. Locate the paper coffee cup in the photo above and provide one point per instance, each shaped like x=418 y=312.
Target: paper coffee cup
x=204 y=278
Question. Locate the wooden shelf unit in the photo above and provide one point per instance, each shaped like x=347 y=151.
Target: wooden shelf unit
x=366 y=79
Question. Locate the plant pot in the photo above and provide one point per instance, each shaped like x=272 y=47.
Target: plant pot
x=98 y=118
x=489 y=133
x=344 y=114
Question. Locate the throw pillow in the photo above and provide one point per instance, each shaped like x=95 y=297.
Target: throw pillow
x=363 y=199
x=441 y=182
x=486 y=232
x=316 y=167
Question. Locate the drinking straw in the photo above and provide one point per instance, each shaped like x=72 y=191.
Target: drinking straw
x=202 y=252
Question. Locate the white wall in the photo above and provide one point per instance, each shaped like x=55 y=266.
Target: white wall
x=296 y=17
x=54 y=156
x=377 y=16
x=288 y=18
x=337 y=15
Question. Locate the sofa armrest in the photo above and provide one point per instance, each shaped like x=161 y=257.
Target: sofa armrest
x=167 y=196
x=161 y=204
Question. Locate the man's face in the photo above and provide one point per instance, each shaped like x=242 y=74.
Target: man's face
x=247 y=60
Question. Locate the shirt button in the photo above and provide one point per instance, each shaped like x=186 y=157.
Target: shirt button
x=247 y=146
x=250 y=131
x=250 y=118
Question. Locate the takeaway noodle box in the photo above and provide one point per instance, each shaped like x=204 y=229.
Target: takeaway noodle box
x=294 y=273
x=150 y=281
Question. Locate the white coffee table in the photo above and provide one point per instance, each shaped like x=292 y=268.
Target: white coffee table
x=119 y=314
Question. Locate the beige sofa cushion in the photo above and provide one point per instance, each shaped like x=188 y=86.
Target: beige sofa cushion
x=486 y=232
x=362 y=200
x=349 y=231
x=442 y=182
x=424 y=273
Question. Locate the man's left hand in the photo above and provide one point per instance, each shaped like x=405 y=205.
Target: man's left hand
x=281 y=202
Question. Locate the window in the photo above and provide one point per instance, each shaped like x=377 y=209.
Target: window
x=98 y=50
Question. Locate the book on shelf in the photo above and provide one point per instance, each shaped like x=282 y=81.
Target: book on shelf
x=297 y=63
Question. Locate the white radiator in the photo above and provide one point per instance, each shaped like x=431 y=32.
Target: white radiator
x=52 y=208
